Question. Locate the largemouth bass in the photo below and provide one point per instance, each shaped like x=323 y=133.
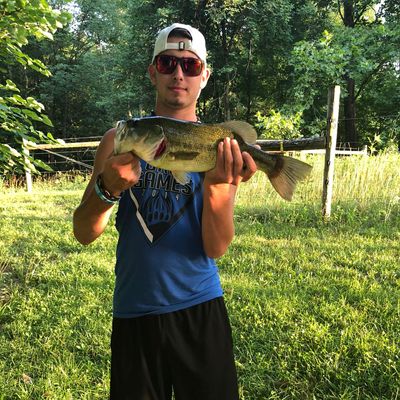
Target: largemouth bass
x=183 y=147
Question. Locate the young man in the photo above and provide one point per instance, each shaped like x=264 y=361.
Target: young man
x=170 y=331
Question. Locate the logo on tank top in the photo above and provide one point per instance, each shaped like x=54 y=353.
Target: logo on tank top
x=160 y=201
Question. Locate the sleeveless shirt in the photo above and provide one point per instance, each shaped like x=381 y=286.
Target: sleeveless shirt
x=161 y=265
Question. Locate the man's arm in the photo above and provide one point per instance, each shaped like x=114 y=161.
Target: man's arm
x=118 y=173
x=220 y=186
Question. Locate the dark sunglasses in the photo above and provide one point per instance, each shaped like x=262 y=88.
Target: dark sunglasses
x=166 y=64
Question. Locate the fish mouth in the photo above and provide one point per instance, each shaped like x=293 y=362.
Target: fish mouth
x=160 y=149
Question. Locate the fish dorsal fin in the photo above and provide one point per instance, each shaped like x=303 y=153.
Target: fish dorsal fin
x=243 y=129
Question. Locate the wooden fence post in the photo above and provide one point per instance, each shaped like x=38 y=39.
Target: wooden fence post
x=28 y=175
x=331 y=138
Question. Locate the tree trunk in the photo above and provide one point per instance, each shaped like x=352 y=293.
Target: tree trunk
x=227 y=86
x=249 y=82
x=350 y=114
x=348 y=13
x=227 y=105
x=350 y=130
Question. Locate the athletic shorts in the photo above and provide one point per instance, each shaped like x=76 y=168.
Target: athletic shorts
x=187 y=352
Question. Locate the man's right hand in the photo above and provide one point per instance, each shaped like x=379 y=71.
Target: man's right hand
x=120 y=172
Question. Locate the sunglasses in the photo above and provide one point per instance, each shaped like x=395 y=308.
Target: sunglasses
x=190 y=66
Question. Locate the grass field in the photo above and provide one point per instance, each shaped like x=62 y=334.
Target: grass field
x=314 y=305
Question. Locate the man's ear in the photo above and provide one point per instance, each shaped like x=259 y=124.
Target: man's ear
x=152 y=73
x=204 y=78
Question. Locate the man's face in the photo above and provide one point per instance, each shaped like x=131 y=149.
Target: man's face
x=176 y=90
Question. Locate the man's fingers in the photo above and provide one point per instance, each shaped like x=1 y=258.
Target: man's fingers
x=125 y=158
x=120 y=172
x=220 y=151
x=251 y=166
x=237 y=158
x=228 y=158
x=232 y=165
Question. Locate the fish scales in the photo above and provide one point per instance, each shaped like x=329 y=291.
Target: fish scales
x=190 y=148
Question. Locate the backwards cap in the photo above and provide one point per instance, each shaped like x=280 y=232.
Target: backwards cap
x=196 y=45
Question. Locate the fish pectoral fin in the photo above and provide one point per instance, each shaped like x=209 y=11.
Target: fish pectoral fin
x=242 y=129
x=183 y=155
x=181 y=177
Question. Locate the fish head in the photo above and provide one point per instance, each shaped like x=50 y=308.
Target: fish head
x=143 y=137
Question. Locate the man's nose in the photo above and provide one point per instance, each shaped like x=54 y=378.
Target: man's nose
x=178 y=73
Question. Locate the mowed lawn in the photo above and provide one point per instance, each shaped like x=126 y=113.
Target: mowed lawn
x=314 y=304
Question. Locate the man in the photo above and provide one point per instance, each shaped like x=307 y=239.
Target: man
x=170 y=332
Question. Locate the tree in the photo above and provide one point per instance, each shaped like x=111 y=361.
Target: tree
x=353 y=54
x=81 y=59
x=19 y=116
x=352 y=13
x=279 y=25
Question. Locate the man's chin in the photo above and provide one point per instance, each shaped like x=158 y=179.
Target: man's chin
x=176 y=103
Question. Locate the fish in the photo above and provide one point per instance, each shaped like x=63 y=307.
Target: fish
x=183 y=147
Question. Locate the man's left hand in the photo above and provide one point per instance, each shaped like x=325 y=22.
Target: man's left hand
x=233 y=166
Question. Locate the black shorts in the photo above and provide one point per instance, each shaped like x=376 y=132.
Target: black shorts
x=187 y=352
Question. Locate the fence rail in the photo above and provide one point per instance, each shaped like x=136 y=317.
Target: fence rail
x=293 y=144
x=70 y=145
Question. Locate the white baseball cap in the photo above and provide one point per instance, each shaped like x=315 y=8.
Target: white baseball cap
x=197 y=45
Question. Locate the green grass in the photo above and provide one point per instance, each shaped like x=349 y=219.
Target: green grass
x=314 y=305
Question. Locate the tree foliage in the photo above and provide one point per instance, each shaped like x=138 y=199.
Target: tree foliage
x=20 y=116
x=355 y=55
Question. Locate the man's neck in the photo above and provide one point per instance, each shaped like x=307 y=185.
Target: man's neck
x=183 y=114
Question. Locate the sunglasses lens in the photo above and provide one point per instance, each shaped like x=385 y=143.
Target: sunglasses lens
x=166 y=64
x=190 y=66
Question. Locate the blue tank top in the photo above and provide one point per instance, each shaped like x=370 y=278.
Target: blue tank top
x=161 y=264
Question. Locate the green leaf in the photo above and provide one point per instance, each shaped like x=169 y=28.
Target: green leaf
x=46 y=120
x=32 y=103
x=41 y=164
x=12 y=151
x=17 y=100
x=44 y=33
x=10 y=85
x=31 y=114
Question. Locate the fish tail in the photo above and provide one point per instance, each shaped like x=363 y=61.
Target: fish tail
x=285 y=174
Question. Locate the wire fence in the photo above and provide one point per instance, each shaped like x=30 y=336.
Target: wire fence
x=69 y=157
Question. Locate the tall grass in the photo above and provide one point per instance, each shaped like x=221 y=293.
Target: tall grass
x=314 y=304
x=359 y=180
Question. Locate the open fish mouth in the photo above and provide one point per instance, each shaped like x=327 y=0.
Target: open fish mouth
x=160 y=149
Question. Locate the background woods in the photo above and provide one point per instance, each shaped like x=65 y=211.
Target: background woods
x=272 y=63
